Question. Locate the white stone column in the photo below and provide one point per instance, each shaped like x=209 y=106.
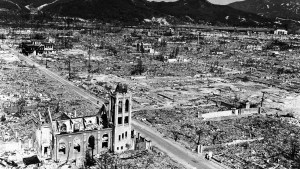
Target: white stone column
x=123 y=109
x=116 y=112
x=84 y=143
x=55 y=149
x=130 y=109
x=71 y=148
x=99 y=141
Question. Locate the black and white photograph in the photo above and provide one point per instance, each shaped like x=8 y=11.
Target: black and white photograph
x=149 y=84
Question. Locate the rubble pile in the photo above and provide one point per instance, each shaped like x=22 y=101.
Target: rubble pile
x=183 y=126
x=148 y=159
x=276 y=149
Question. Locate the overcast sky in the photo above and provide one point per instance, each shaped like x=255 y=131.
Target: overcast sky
x=221 y=2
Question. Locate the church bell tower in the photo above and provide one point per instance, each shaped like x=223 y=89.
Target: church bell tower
x=120 y=112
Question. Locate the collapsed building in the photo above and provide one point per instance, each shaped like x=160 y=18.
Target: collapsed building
x=68 y=138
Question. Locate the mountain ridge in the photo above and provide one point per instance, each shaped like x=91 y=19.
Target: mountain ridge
x=201 y=11
x=137 y=11
x=287 y=9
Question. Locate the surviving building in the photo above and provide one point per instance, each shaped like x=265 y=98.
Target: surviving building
x=280 y=32
x=36 y=48
x=68 y=138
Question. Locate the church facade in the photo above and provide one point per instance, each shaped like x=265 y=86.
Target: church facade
x=69 y=138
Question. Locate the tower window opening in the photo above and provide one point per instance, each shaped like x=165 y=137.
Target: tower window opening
x=126 y=120
x=119 y=120
x=120 y=107
x=127 y=105
x=46 y=150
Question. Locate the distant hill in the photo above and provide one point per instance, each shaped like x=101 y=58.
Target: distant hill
x=106 y=10
x=191 y=11
x=9 y=5
x=285 y=13
x=202 y=10
x=23 y=4
x=287 y=9
x=141 y=11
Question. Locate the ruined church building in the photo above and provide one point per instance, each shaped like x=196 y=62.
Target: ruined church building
x=71 y=138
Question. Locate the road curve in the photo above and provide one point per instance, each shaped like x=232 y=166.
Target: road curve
x=174 y=151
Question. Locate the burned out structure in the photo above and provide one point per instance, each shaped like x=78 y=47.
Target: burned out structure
x=69 y=137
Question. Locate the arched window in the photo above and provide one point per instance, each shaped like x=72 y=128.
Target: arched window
x=76 y=143
x=63 y=128
x=91 y=142
x=62 y=148
x=120 y=107
x=127 y=105
x=105 y=137
x=105 y=141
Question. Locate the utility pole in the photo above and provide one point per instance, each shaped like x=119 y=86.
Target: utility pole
x=69 y=68
x=262 y=99
x=89 y=53
x=89 y=66
x=98 y=66
x=198 y=38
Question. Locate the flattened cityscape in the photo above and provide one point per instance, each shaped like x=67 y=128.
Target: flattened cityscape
x=168 y=96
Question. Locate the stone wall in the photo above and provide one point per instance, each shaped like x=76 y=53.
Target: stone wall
x=234 y=112
x=218 y=114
